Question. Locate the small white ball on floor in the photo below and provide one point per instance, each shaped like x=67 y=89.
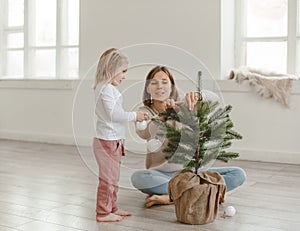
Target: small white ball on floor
x=141 y=125
x=230 y=211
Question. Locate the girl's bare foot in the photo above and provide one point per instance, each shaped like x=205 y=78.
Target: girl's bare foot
x=109 y=218
x=122 y=213
x=158 y=200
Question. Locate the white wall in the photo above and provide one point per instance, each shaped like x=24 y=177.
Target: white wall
x=42 y=110
x=193 y=26
x=36 y=110
x=270 y=130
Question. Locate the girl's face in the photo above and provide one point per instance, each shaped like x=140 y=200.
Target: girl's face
x=119 y=77
x=160 y=86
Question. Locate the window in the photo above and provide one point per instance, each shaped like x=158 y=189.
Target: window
x=267 y=34
x=39 y=39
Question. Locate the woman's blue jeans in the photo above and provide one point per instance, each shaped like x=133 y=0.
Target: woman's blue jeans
x=152 y=181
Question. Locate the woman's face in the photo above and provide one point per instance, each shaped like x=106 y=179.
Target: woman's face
x=160 y=86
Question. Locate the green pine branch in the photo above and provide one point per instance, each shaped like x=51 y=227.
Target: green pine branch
x=199 y=136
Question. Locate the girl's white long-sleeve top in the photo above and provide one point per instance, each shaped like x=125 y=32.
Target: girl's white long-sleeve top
x=111 y=119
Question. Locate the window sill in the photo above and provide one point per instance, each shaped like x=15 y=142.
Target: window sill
x=55 y=84
x=233 y=86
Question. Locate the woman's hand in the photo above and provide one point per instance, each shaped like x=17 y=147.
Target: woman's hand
x=170 y=103
x=192 y=98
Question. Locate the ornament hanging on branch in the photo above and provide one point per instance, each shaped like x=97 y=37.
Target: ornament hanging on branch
x=154 y=145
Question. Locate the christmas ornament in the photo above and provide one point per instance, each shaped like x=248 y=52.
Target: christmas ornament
x=154 y=145
x=141 y=125
x=230 y=211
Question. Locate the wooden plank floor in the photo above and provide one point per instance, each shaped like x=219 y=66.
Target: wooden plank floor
x=46 y=187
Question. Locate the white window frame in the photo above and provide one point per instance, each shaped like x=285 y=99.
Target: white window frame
x=291 y=38
x=28 y=10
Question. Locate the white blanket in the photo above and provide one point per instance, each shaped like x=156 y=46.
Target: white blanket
x=267 y=84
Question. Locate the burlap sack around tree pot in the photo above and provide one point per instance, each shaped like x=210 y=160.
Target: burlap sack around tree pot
x=197 y=197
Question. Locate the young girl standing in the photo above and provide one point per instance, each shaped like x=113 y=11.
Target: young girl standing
x=111 y=120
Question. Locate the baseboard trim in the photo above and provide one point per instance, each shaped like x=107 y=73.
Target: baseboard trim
x=269 y=156
x=245 y=154
x=37 y=137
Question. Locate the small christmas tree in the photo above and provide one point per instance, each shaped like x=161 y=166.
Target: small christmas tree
x=196 y=137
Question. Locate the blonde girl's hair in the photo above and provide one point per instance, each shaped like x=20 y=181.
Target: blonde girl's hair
x=147 y=100
x=111 y=63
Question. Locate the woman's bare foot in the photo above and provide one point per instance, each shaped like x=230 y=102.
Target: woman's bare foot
x=122 y=213
x=158 y=200
x=109 y=218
